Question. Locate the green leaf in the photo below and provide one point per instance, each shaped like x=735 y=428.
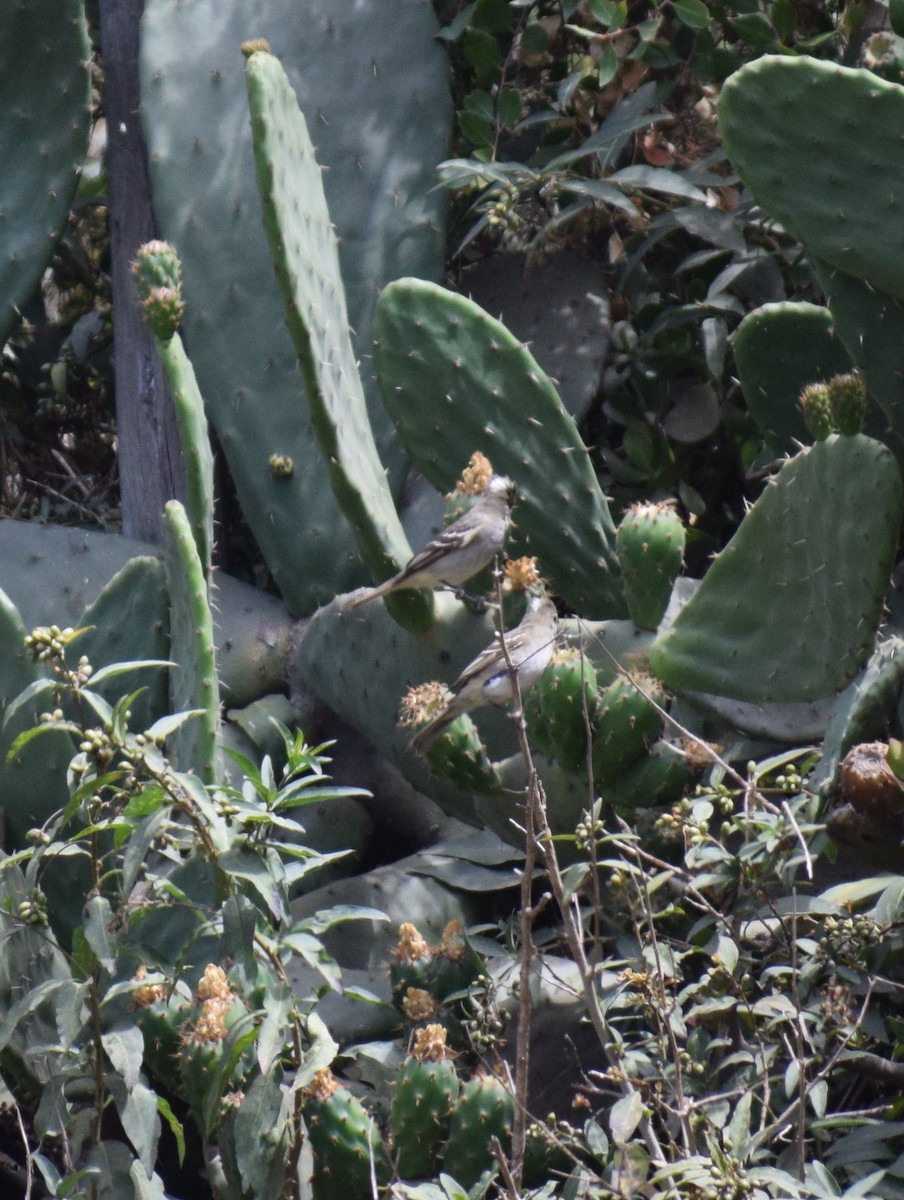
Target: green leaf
x=137 y=1108
x=175 y=1126
x=478 y=130
x=262 y=1134
x=657 y=179
x=98 y=925
x=124 y=1047
x=116 y=669
x=896 y=16
x=453 y=31
x=168 y=725
x=692 y=13
x=36 y=731
x=508 y=107
x=247 y=865
x=625 y=1116
x=737 y=1135
x=726 y=954
x=326 y=918
x=479 y=103
x=756 y=30
x=482 y=54
x=608 y=12
x=608 y=65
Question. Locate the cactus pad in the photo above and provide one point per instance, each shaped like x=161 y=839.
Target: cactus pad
x=789 y=610
x=838 y=183
x=650 y=544
x=45 y=96
x=628 y=722
x=485 y=1110
x=344 y=1140
x=455 y=381
x=779 y=348
x=425 y=1096
x=378 y=57
x=305 y=253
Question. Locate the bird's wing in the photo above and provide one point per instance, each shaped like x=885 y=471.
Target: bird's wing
x=456 y=537
x=481 y=663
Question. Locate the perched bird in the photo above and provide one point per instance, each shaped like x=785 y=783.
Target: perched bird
x=487 y=681
x=461 y=550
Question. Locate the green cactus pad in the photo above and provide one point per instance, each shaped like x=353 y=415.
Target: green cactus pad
x=378 y=57
x=344 y=1140
x=45 y=98
x=485 y=1110
x=455 y=381
x=650 y=543
x=627 y=723
x=195 y=442
x=779 y=348
x=871 y=325
x=193 y=681
x=865 y=709
x=838 y=183
x=460 y=755
x=361 y=663
x=789 y=610
x=53 y=572
x=426 y=1093
x=565 y=696
x=658 y=777
x=130 y=620
x=305 y=255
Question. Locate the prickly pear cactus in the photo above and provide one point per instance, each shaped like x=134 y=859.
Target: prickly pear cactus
x=45 y=97
x=344 y=1139
x=627 y=724
x=359 y=663
x=426 y=1093
x=378 y=57
x=411 y=964
x=847 y=397
x=816 y=409
x=779 y=349
x=838 y=185
x=193 y=681
x=485 y=1110
x=789 y=610
x=658 y=777
x=565 y=706
x=455 y=381
x=650 y=543
x=158 y=276
x=460 y=755
x=871 y=325
x=305 y=254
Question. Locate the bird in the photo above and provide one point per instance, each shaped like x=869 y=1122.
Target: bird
x=461 y=550
x=486 y=680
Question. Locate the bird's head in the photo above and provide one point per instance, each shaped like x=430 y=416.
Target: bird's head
x=501 y=485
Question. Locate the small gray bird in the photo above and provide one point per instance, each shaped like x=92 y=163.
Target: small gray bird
x=461 y=550
x=487 y=681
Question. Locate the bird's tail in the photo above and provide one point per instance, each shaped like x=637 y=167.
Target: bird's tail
x=366 y=596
